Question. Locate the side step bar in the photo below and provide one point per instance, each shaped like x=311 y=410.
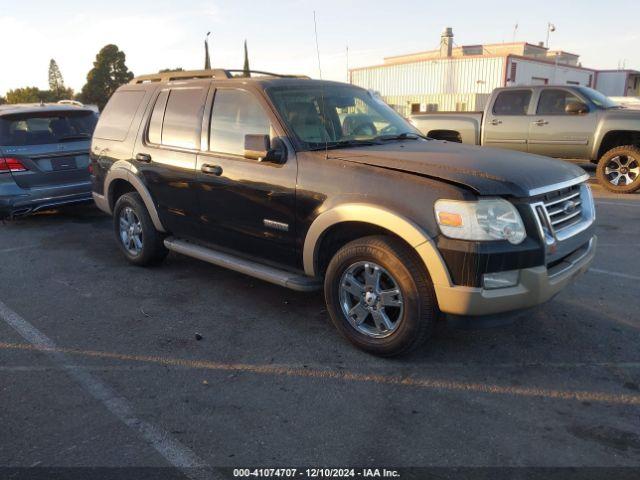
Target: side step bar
x=267 y=273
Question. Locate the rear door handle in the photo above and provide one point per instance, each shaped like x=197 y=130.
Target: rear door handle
x=541 y=123
x=143 y=157
x=211 y=169
x=496 y=122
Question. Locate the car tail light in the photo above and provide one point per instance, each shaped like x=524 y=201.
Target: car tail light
x=10 y=164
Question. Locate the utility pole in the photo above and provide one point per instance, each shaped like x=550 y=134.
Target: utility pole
x=348 y=76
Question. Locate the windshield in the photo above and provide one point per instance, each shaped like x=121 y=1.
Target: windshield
x=336 y=115
x=40 y=128
x=598 y=98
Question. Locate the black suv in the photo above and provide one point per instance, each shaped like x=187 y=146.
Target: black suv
x=308 y=183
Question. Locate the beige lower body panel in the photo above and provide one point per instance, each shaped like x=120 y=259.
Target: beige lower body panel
x=101 y=202
x=536 y=286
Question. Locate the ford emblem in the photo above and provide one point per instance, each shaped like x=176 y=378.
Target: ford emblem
x=569 y=207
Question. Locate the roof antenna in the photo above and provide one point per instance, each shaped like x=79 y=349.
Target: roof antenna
x=324 y=118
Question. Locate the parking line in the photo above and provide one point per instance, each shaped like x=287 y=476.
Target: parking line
x=172 y=450
x=343 y=375
x=615 y=274
x=54 y=368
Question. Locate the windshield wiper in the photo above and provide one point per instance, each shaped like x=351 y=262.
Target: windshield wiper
x=346 y=143
x=400 y=136
x=80 y=136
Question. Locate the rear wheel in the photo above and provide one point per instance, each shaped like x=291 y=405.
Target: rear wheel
x=619 y=169
x=135 y=233
x=379 y=296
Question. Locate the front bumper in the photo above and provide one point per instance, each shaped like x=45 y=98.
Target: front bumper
x=16 y=201
x=536 y=285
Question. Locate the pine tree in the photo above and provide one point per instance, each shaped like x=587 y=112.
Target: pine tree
x=108 y=73
x=246 y=69
x=56 y=82
x=207 y=59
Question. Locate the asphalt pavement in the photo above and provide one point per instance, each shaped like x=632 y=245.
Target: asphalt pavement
x=100 y=366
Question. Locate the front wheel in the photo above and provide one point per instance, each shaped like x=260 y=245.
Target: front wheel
x=379 y=296
x=619 y=169
x=135 y=233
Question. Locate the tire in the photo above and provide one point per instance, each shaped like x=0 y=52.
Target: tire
x=621 y=164
x=412 y=313
x=149 y=248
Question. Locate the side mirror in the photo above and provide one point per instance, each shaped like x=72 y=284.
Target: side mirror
x=576 y=108
x=258 y=147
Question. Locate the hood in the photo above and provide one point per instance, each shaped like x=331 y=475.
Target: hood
x=622 y=114
x=487 y=171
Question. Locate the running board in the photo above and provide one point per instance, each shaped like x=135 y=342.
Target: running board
x=283 y=278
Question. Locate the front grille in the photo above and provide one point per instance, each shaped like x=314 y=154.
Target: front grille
x=563 y=208
x=563 y=218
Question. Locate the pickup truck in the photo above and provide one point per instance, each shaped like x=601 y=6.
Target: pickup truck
x=570 y=122
x=312 y=184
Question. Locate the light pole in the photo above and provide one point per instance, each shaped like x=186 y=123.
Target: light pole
x=550 y=28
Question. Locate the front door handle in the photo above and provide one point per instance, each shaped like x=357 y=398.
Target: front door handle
x=495 y=121
x=143 y=157
x=211 y=169
x=541 y=123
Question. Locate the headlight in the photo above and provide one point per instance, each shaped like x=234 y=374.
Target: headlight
x=487 y=219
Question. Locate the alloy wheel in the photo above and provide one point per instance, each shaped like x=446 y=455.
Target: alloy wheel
x=130 y=231
x=371 y=299
x=622 y=170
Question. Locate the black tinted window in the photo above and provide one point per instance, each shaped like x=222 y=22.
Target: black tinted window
x=236 y=113
x=117 y=116
x=183 y=118
x=514 y=102
x=46 y=127
x=554 y=102
x=157 y=117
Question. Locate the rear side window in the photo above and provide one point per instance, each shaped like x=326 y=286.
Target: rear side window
x=117 y=116
x=236 y=113
x=512 y=102
x=41 y=128
x=182 y=121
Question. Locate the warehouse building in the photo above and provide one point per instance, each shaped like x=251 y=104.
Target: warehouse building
x=461 y=78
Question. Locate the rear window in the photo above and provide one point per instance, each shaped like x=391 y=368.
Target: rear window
x=512 y=102
x=176 y=119
x=43 y=128
x=117 y=116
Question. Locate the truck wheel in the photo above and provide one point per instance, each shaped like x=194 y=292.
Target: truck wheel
x=379 y=296
x=619 y=169
x=138 y=239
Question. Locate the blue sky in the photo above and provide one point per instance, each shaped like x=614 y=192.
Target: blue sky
x=161 y=34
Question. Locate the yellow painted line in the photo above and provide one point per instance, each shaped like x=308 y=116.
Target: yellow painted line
x=425 y=383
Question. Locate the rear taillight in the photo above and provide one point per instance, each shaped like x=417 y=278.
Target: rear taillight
x=10 y=164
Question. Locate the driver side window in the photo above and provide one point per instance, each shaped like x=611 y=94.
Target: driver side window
x=554 y=102
x=236 y=113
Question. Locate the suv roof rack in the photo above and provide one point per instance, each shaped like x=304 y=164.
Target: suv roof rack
x=202 y=74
